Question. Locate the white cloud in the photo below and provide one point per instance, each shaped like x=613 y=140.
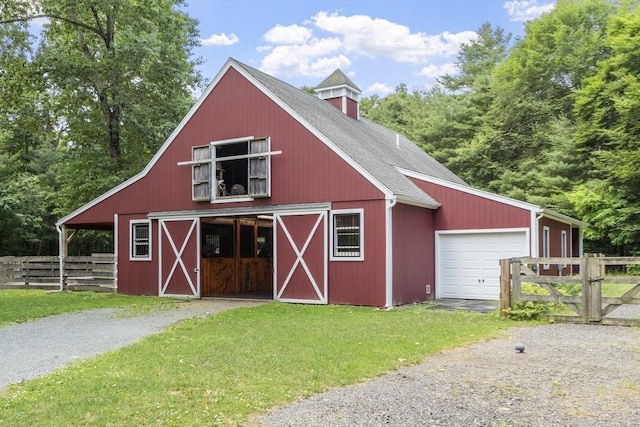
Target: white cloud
x=434 y=71
x=292 y=34
x=330 y=40
x=379 y=89
x=526 y=10
x=375 y=37
x=220 y=40
x=316 y=57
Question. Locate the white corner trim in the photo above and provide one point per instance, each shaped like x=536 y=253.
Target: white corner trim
x=388 y=211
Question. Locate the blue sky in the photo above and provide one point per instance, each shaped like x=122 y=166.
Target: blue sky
x=378 y=43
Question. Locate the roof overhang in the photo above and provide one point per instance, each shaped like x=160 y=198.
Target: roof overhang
x=538 y=210
x=418 y=203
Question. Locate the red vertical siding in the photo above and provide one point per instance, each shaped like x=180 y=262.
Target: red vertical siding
x=555 y=250
x=413 y=254
x=307 y=170
x=352 y=108
x=136 y=277
x=362 y=282
x=336 y=102
x=464 y=211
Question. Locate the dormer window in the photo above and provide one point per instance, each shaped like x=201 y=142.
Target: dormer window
x=231 y=170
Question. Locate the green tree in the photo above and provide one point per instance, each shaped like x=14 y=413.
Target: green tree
x=458 y=117
x=608 y=107
x=536 y=84
x=122 y=78
x=25 y=135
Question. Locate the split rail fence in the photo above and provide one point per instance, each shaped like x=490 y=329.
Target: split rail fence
x=96 y=272
x=593 y=274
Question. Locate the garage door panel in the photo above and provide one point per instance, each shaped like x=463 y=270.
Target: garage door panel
x=469 y=263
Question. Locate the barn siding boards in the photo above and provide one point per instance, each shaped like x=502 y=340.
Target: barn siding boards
x=136 y=277
x=323 y=160
x=413 y=254
x=464 y=211
x=555 y=235
x=307 y=171
x=362 y=282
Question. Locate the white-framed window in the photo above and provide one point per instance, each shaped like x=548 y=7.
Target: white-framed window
x=231 y=170
x=347 y=235
x=546 y=244
x=140 y=240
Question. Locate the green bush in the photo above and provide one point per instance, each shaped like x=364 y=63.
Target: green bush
x=570 y=289
x=529 y=310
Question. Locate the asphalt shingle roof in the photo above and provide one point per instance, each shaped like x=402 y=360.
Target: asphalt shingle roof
x=379 y=150
x=337 y=78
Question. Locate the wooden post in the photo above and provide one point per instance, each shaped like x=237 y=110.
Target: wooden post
x=585 y=265
x=516 y=280
x=595 y=280
x=505 y=286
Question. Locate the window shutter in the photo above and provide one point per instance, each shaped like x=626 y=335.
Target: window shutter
x=259 y=168
x=201 y=173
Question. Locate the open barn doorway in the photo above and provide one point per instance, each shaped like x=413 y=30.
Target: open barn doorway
x=237 y=257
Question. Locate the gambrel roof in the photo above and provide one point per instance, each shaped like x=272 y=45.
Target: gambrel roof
x=378 y=150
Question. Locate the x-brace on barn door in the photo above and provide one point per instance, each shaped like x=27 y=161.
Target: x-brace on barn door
x=179 y=264
x=301 y=257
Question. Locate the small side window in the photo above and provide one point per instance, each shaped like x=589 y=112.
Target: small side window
x=347 y=235
x=140 y=240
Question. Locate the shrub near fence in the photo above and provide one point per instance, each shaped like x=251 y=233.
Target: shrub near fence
x=96 y=272
x=582 y=292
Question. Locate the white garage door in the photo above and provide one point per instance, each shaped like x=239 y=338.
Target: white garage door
x=469 y=263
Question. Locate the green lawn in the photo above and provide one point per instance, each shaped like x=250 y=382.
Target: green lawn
x=222 y=369
x=23 y=305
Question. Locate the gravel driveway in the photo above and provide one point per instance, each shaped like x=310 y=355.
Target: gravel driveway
x=569 y=375
x=32 y=349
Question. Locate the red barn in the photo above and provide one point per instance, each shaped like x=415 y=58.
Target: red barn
x=264 y=189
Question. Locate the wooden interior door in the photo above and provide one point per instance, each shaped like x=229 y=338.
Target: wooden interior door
x=300 y=273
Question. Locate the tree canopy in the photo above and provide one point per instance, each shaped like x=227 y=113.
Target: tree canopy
x=552 y=119
x=88 y=100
